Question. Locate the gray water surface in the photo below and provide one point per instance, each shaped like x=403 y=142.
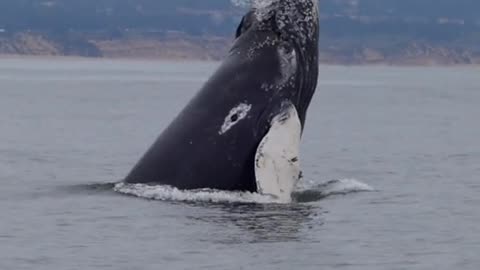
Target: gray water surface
x=69 y=125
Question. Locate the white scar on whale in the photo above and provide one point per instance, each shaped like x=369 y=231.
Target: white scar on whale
x=234 y=116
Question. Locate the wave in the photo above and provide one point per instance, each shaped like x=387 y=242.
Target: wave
x=310 y=192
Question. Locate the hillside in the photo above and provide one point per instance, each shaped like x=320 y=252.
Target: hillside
x=352 y=31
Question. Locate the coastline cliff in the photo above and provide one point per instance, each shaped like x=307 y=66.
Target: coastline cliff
x=183 y=47
x=407 y=32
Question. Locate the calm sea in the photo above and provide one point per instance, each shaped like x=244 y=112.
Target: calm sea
x=391 y=159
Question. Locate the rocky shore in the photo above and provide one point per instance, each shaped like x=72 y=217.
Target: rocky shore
x=214 y=48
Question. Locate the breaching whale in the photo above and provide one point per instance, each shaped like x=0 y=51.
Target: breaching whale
x=242 y=130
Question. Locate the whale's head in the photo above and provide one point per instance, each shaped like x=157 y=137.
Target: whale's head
x=292 y=28
x=292 y=20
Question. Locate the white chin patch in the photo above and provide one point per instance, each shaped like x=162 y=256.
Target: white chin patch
x=237 y=114
x=277 y=164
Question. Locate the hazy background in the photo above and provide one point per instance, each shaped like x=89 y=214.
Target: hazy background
x=352 y=31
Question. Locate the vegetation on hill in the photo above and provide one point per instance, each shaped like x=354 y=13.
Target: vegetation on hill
x=349 y=28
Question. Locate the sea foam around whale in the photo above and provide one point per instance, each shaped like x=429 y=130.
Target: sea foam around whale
x=306 y=192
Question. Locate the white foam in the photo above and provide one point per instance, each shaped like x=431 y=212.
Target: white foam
x=307 y=191
x=167 y=193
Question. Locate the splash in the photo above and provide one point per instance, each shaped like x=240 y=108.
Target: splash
x=168 y=193
x=306 y=192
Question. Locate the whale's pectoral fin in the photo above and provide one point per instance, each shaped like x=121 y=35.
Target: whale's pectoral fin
x=277 y=164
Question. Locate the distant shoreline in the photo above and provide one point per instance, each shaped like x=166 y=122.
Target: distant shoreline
x=180 y=60
x=214 y=48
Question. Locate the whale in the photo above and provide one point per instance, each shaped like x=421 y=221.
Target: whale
x=242 y=130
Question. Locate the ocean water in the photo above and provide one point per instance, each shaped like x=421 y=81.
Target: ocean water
x=391 y=158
